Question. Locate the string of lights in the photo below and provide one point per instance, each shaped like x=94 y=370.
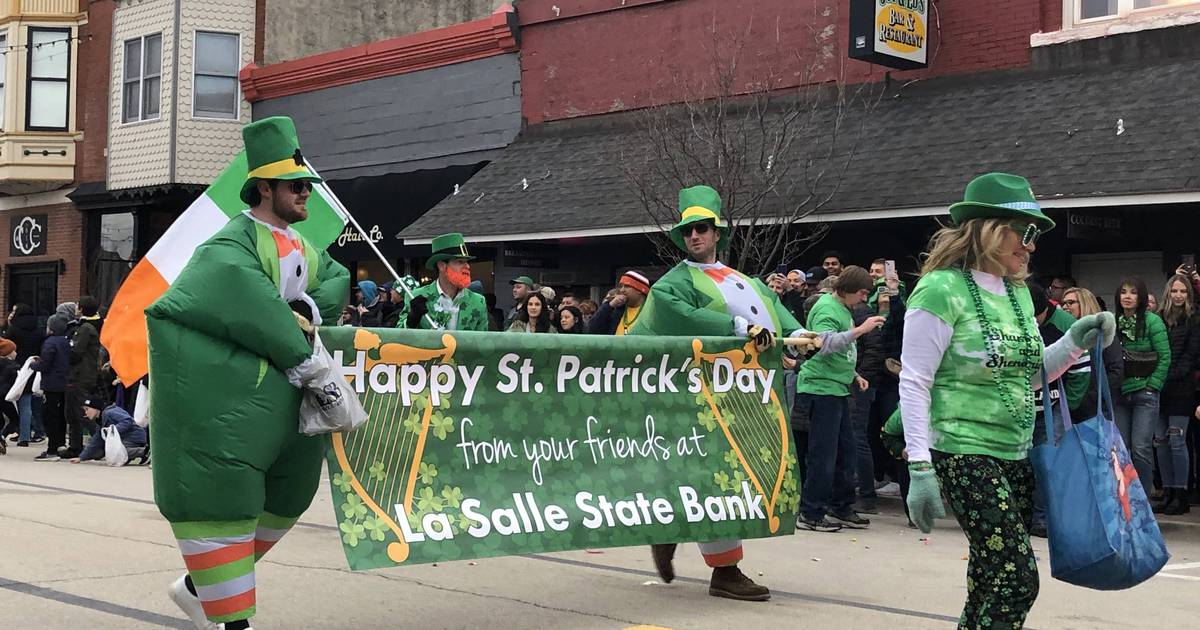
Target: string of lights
x=29 y=46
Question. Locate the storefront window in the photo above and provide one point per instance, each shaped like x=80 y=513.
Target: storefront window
x=114 y=257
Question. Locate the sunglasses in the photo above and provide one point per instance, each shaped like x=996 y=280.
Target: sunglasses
x=1029 y=233
x=300 y=186
x=700 y=228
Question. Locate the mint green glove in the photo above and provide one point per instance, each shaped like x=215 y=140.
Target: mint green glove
x=1083 y=332
x=924 y=496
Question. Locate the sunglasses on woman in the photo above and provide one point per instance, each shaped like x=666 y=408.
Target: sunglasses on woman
x=701 y=228
x=1029 y=233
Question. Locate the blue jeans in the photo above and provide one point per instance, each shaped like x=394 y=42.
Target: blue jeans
x=1171 y=442
x=828 y=486
x=860 y=420
x=30 y=424
x=1137 y=416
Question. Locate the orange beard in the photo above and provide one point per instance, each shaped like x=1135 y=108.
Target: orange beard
x=459 y=280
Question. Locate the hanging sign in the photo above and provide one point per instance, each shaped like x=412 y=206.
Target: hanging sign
x=892 y=33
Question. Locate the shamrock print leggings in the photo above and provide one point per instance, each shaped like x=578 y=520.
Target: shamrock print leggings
x=993 y=502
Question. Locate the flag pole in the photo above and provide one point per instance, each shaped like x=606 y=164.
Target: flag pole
x=328 y=194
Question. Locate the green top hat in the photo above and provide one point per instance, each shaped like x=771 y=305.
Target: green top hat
x=448 y=247
x=700 y=203
x=273 y=152
x=999 y=195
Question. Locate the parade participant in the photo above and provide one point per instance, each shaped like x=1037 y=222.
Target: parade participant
x=972 y=358
x=617 y=314
x=228 y=358
x=703 y=297
x=447 y=300
x=535 y=317
x=521 y=287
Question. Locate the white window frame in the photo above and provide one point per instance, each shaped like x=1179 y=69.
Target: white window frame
x=1072 y=9
x=141 y=80
x=237 y=92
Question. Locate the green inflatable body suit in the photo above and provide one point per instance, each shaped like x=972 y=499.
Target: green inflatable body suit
x=232 y=472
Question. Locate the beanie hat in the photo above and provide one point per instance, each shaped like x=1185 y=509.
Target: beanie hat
x=68 y=310
x=635 y=280
x=57 y=324
x=95 y=403
x=7 y=347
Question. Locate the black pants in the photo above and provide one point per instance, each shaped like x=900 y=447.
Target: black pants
x=11 y=419
x=54 y=421
x=73 y=412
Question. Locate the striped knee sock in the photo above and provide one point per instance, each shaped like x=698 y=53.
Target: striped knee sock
x=220 y=560
x=270 y=529
x=721 y=553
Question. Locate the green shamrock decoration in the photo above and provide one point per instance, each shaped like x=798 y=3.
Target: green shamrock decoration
x=427 y=472
x=731 y=459
x=378 y=471
x=376 y=527
x=441 y=425
x=428 y=501
x=721 y=479
x=352 y=533
x=354 y=507
x=342 y=482
x=453 y=496
x=765 y=454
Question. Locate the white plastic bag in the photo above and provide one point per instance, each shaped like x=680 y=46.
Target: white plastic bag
x=329 y=404
x=37 y=385
x=141 y=406
x=114 y=450
x=18 y=388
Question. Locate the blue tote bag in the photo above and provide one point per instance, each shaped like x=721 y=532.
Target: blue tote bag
x=1102 y=532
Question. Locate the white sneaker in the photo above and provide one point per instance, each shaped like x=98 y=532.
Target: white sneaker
x=190 y=605
x=892 y=489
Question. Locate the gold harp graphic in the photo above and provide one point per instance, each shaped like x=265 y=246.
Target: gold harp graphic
x=753 y=426
x=385 y=437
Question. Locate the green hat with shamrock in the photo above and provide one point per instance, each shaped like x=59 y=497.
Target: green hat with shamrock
x=273 y=152
x=450 y=246
x=696 y=204
x=1000 y=195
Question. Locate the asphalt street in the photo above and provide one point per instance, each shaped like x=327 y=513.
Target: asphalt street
x=85 y=547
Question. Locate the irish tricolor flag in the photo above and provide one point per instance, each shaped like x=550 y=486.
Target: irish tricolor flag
x=124 y=333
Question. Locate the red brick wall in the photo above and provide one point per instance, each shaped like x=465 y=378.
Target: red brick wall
x=66 y=242
x=597 y=56
x=91 y=110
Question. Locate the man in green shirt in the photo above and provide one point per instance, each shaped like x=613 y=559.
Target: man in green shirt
x=823 y=392
x=447 y=300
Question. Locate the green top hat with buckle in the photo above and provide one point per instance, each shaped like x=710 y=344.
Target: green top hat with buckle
x=1000 y=195
x=450 y=246
x=700 y=203
x=273 y=152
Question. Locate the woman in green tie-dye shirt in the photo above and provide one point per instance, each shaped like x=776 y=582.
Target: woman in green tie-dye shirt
x=972 y=358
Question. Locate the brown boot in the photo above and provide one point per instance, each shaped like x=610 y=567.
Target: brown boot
x=664 y=561
x=732 y=583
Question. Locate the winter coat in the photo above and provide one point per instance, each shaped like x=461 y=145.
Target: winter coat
x=25 y=332
x=870 y=347
x=606 y=319
x=85 y=358
x=1152 y=338
x=132 y=436
x=8 y=374
x=1179 y=390
x=53 y=363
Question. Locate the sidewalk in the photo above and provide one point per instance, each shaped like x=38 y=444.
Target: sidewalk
x=86 y=548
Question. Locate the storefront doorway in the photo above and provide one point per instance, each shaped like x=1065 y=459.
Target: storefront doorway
x=35 y=285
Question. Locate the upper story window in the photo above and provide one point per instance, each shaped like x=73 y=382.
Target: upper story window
x=48 y=100
x=215 y=88
x=1087 y=10
x=142 y=84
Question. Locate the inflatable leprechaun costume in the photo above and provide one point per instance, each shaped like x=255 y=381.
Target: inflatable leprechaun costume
x=232 y=473
x=703 y=297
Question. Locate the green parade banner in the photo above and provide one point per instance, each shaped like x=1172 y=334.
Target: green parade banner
x=490 y=444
